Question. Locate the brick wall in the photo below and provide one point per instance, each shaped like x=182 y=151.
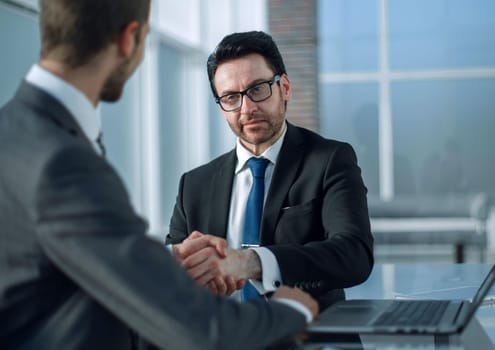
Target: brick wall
x=292 y=24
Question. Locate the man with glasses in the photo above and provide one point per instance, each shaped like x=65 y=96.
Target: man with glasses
x=313 y=232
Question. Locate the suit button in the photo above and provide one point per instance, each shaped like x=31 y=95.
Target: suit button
x=276 y=284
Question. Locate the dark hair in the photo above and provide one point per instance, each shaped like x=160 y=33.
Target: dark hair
x=238 y=45
x=74 y=31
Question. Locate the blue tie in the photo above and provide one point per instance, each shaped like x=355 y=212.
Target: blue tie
x=254 y=208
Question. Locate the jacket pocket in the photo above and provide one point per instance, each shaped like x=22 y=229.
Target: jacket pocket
x=300 y=223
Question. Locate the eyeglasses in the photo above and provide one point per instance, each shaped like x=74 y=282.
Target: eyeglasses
x=256 y=93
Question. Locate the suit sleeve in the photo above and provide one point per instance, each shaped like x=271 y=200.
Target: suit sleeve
x=88 y=229
x=344 y=257
x=178 y=230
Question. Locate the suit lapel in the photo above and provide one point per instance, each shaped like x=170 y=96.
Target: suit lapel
x=221 y=191
x=288 y=162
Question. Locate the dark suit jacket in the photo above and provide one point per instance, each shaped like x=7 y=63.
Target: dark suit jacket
x=315 y=219
x=76 y=269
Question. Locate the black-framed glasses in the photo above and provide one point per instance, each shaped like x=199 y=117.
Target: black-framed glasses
x=262 y=91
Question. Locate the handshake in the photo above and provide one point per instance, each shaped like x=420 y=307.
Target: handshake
x=223 y=270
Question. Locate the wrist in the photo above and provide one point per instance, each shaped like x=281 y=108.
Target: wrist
x=252 y=263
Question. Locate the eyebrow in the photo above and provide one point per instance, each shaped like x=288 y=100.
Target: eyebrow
x=250 y=85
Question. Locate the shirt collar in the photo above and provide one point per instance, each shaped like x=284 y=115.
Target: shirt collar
x=75 y=101
x=271 y=152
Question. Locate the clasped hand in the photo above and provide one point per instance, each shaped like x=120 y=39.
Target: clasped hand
x=211 y=263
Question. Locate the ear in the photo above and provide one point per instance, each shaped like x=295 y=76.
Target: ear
x=285 y=87
x=127 y=39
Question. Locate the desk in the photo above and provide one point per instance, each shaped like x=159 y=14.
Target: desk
x=437 y=281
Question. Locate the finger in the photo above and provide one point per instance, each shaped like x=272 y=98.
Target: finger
x=199 y=257
x=206 y=278
x=212 y=287
x=201 y=274
x=193 y=235
x=220 y=285
x=205 y=271
x=231 y=285
x=219 y=243
x=240 y=283
x=316 y=309
x=221 y=247
x=192 y=246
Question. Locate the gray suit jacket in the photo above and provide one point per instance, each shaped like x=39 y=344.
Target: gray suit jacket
x=76 y=269
x=315 y=219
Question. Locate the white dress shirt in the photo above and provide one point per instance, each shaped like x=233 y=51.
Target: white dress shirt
x=271 y=277
x=243 y=179
x=75 y=101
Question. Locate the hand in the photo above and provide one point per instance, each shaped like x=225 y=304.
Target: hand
x=197 y=242
x=300 y=296
x=205 y=265
x=201 y=249
x=225 y=286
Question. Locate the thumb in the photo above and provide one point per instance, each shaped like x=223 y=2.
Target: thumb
x=193 y=235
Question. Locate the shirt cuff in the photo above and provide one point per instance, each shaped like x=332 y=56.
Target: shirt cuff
x=271 y=277
x=298 y=306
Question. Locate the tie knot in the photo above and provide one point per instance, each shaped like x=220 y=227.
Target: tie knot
x=258 y=166
x=99 y=141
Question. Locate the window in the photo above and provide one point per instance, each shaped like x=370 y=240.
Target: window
x=23 y=48
x=410 y=85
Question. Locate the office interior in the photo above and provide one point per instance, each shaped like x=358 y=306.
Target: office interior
x=409 y=83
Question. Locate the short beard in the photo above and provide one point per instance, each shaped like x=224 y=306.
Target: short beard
x=114 y=85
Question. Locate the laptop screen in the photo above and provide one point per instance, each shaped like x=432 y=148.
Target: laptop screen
x=482 y=292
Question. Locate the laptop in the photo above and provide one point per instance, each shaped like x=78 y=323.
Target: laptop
x=393 y=316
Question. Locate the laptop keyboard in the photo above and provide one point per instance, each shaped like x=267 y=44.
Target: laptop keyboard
x=410 y=313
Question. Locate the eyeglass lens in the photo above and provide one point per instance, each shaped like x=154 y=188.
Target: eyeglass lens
x=256 y=93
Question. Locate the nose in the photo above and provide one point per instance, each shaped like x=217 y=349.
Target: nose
x=247 y=105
